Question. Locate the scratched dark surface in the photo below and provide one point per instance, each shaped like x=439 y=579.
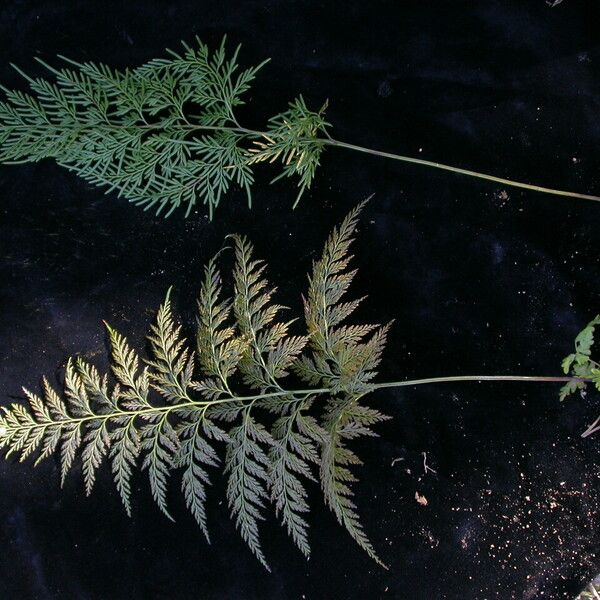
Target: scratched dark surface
x=478 y=281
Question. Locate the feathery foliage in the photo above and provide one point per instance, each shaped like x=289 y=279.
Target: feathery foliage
x=165 y=135
x=173 y=413
x=583 y=368
x=270 y=409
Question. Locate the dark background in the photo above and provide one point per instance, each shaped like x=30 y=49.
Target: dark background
x=477 y=283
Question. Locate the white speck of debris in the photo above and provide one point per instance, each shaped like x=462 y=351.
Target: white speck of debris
x=396 y=460
x=426 y=467
x=421 y=499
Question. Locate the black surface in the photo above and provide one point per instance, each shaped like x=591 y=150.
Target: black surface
x=476 y=283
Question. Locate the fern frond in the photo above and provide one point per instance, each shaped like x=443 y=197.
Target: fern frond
x=195 y=454
x=271 y=351
x=219 y=348
x=125 y=365
x=163 y=135
x=95 y=385
x=161 y=442
x=583 y=368
x=336 y=476
x=247 y=464
x=343 y=362
x=175 y=414
x=341 y=359
x=255 y=313
x=96 y=443
x=328 y=283
x=126 y=448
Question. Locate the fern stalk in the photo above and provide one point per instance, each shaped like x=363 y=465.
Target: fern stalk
x=165 y=135
x=456 y=378
x=250 y=400
x=173 y=414
x=324 y=391
x=460 y=171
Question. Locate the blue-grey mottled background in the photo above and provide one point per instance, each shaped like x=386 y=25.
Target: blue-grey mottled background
x=477 y=280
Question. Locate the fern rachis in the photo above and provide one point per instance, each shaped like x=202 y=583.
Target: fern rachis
x=165 y=135
x=175 y=414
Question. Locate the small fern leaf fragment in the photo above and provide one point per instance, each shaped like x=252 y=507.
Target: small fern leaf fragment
x=295 y=446
x=195 y=454
x=125 y=449
x=173 y=365
x=161 y=443
x=247 y=465
x=96 y=443
x=336 y=478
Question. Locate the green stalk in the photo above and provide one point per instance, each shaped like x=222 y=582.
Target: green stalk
x=431 y=380
x=467 y=172
x=301 y=392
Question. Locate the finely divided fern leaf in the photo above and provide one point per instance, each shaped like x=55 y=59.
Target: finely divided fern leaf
x=177 y=414
x=296 y=441
x=164 y=135
x=293 y=138
x=583 y=368
x=247 y=465
x=196 y=431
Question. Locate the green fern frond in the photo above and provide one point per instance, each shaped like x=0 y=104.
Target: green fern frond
x=161 y=442
x=165 y=135
x=227 y=406
x=297 y=438
x=336 y=476
x=173 y=367
x=247 y=487
x=175 y=414
x=220 y=347
x=583 y=368
x=196 y=431
x=125 y=365
x=125 y=450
